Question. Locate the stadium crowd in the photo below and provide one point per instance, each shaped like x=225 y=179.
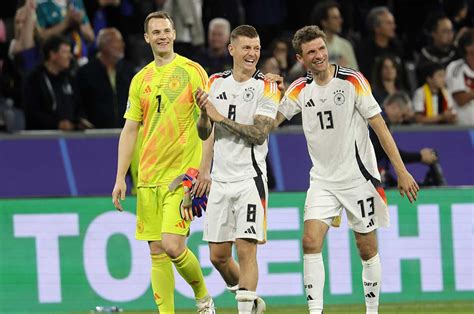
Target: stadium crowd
x=67 y=64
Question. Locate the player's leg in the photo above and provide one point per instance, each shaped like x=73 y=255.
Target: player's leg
x=313 y=265
x=321 y=207
x=219 y=232
x=174 y=233
x=371 y=269
x=247 y=254
x=221 y=258
x=162 y=278
x=366 y=210
x=149 y=218
x=250 y=211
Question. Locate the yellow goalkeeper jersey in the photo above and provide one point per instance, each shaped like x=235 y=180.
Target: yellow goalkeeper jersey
x=162 y=99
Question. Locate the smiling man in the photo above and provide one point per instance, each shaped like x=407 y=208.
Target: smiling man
x=161 y=100
x=237 y=116
x=337 y=104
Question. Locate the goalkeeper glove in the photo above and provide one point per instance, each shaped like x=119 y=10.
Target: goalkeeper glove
x=198 y=205
x=191 y=206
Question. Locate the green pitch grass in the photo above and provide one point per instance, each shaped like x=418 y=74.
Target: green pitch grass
x=402 y=308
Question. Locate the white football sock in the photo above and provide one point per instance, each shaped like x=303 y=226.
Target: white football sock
x=245 y=300
x=371 y=279
x=314 y=278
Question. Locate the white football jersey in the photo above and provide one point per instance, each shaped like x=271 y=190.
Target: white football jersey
x=335 y=126
x=236 y=159
x=460 y=78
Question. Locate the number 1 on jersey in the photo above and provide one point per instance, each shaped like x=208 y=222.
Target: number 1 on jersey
x=158 y=100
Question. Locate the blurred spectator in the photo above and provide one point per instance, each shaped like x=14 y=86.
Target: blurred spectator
x=441 y=49
x=460 y=79
x=66 y=18
x=382 y=39
x=457 y=11
x=215 y=58
x=52 y=101
x=187 y=17
x=269 y=64
x=431 y=102
x=396 y=107
x=386 y=77
x=120 y=14
x=22 y=47
x=106 y=13
x=103 y=82
x=327 y=15
x=19 y=56
x=279 y=49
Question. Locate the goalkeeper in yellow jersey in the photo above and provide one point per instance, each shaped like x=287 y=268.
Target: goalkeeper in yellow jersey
x=161 y=100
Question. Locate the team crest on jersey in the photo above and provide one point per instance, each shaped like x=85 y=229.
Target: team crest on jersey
x=339 y=97
x=249 y=93
x=174 y=83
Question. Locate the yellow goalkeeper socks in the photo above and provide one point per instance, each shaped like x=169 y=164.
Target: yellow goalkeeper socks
x=188 y=267
x=162 y=282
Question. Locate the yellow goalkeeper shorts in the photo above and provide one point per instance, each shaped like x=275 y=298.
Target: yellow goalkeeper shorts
x=158 y=212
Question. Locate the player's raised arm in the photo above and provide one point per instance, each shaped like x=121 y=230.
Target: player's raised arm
x=406 y=184
x=254 y=134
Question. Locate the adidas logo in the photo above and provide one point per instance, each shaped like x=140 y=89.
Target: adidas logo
x=250 y=230
x=147 y=89
x=370 y=295
x=371 y=223
x=309 y=297
x=181 y=224
x=310 y=103
x=222 y=96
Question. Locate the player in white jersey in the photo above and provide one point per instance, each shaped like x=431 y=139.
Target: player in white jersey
x=336 y=104
x=460 y=80
x=238 y=114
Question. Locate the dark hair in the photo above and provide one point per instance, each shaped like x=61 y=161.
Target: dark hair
x=466 y=39
x=377 y=71
x=429 y=69
x=52 y=44
x=157 y=15
x=432 y=21
x=320 y=11
x=306 y=34
x=244 y=31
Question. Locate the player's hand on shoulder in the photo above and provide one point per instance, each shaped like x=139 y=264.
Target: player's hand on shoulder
x=275 y=78
x=408 y=186
x=118 y=194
